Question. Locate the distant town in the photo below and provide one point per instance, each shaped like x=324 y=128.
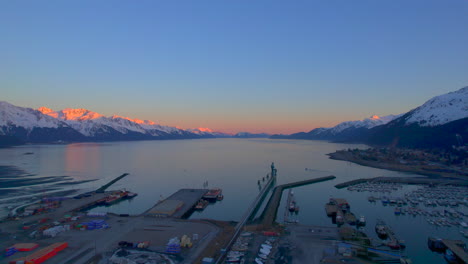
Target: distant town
x=436 y=162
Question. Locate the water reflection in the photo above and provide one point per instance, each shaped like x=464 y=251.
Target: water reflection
x=82 y=156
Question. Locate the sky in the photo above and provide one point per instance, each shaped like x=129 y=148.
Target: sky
x=259 y=66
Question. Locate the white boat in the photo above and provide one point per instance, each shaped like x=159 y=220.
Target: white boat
x=265 y=251
x=266 y=245
x=362 y=220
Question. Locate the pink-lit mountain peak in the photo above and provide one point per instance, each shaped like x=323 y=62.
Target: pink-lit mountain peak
x=135 y=120
x=79 y=114
x=205 y=129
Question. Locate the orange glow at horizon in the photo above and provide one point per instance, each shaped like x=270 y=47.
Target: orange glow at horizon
x=231 y=123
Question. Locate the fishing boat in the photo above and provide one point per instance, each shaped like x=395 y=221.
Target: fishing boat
x=202 y=204
x=115 y=197
x=381 y=229
x=339 y=218
x=213 y=194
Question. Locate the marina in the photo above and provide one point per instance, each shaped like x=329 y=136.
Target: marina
x=269 y=215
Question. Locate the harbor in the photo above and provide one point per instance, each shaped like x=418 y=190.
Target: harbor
x=261 y=236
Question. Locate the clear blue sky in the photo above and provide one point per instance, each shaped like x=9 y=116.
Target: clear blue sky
x=273 y=66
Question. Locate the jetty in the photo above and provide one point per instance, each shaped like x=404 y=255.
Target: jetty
x=271 y=209
x=104 y=187
x=250 y=211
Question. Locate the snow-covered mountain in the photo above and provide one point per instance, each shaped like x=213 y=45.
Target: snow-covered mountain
x=203 y=131
x=441 y=109
x=91 y=123
x=367 y=123
x=47 y=125
x=29 y=125
x=343 y=131
x=27 y=118
x=440 y=122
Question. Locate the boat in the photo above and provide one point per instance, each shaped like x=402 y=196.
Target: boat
x=213 y=194
x=131 y=195
x=233 y=260
x=115 y=197
x=340 y=203
x=339 y=218
x=381 y=229
x=202 y=204
x=397 y=210
x=396 y=244
x=292 y=206
x=361 y=221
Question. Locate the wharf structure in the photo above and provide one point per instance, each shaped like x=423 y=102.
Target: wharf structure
x=178 y=205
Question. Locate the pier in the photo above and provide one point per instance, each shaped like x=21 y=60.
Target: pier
x=269 y=215
x=104 y=187
x=456 y=246
x=250 y=211
x=178 y=205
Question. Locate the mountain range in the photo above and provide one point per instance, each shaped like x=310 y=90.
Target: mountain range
x=440 y=122
x=44 y=125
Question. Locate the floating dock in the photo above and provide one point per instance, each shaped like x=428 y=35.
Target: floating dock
x=178 y=205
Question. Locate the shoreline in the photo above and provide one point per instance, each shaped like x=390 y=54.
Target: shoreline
x=420 y=170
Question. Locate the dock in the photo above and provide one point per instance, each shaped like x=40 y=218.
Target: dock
x=269 y=214
x=456 y=246
x=104 y=187
x=178 y=205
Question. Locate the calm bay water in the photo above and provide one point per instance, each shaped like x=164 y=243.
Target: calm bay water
x=159 y=168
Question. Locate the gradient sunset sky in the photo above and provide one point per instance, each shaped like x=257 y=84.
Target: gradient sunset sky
x=258 y=66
